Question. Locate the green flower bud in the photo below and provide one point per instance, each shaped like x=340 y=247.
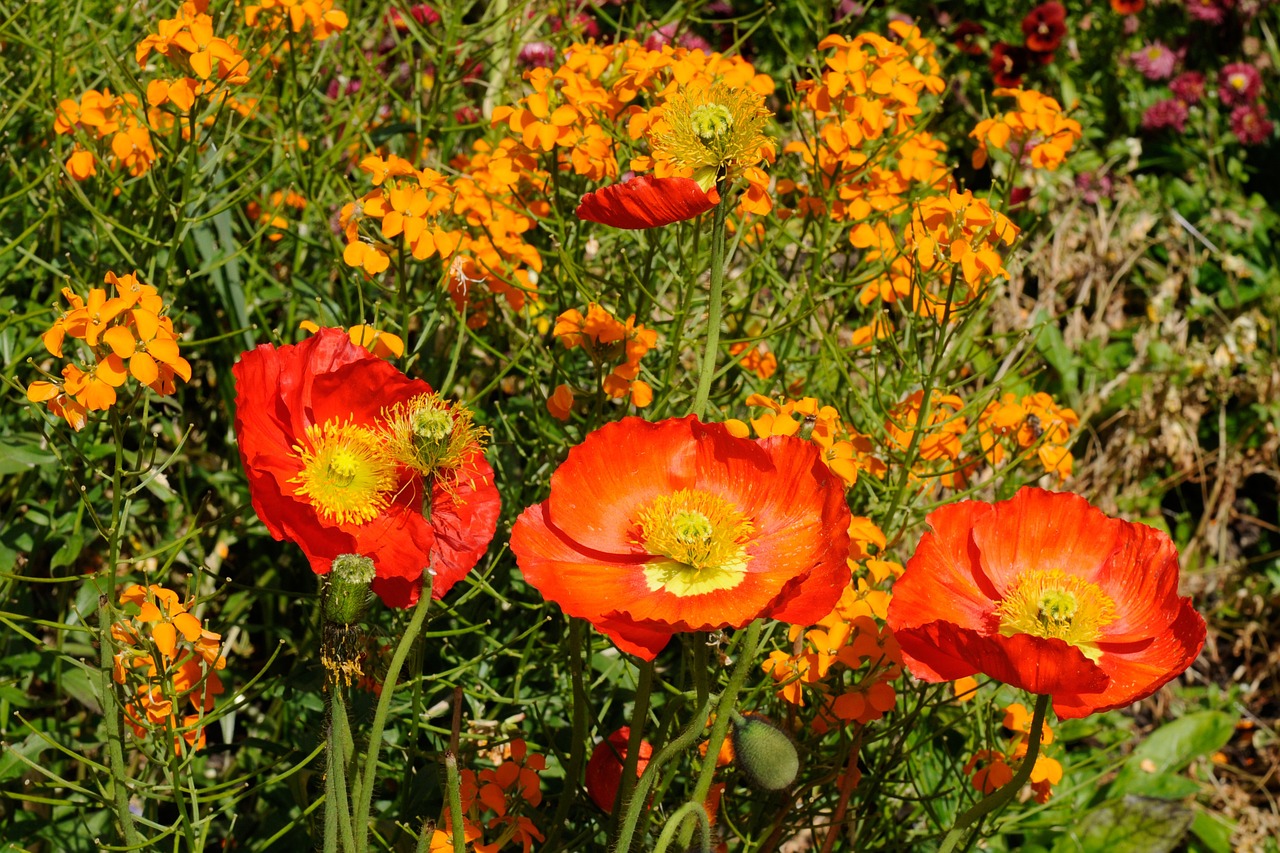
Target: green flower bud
x=763 y=752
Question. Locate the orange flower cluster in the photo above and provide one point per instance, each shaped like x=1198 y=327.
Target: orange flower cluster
x=103 y=116
x=844 y=450
x=991 y=770
x=958 y=229
x=605 y=339
x=865 y=151
x=382 y=344
x=474 y=223
x=851 y=639
x=574 y=112
x=939 y=449
x=503 y=791
x=126 y=334
x=297 y=15
x=273 y=212
x=170 y=658
x=755 y=359
x=1036 y=132
x=210 y=63
x=188 y=42
x=1032 y=421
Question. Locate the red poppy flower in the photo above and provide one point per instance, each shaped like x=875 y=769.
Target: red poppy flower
x=1128 y=7
x=604 y=768
x=1008 y=63
x=647 y=202
x=333 y=440
x=1046 y=593
x=1044 y=26
x=653 y=529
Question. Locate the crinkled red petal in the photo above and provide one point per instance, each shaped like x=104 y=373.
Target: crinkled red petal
x=647 y=202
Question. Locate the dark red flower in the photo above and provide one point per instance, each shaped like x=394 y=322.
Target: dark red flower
x=654 y=529
x=332 y=441
x=1046 y=593
x=1188 y=87
x=1044 y=26
x=1250 y=124
x=1169 y=113
x=1239 y=83
x=964 y=36
x=647 y=202
x=604 y=768
x=1008 y=64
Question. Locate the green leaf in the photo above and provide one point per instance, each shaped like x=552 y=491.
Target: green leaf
x=11 y=767
x=21 y=452
x=1213 y=832
x=1172 y=747
x=1129 y=825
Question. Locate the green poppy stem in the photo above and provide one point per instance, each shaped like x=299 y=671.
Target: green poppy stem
x=715 y=306
x=999 y=799
x=363 y=800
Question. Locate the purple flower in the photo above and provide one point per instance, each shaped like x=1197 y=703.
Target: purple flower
x=1188 y=87
x=1167 y=113
x=1155 y=61
x=1239 y=83
x=1250 y=124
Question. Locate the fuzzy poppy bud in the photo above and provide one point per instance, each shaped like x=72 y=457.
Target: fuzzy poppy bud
x=764 y=752
x=346 y=593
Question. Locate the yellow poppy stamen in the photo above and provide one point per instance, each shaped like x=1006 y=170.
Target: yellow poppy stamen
x=346 y=473
x=431 y=435
x=712 y=128
x=702 y=538
x=1052 y=604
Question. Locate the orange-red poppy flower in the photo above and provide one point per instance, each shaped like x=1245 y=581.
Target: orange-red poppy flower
x=647 y=202
x=335 y=442
x=1047 y=593
x=653 y=529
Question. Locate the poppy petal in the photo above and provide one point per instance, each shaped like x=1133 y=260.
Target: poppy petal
x=646 y=202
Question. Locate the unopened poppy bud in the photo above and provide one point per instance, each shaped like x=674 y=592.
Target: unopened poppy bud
x=347 y=592
x=764 y=752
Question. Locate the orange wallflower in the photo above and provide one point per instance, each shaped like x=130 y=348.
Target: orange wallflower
x=382 y=344
x=1036 y=132
x=606 y=339
x=656 y=529
x=1032 y=421
x=1046 y=593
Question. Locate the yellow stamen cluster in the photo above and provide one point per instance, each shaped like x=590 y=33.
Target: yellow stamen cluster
x=346 y=474
x=710 y=129
x=1053 y=604
x=432 y=436
x=703 y=536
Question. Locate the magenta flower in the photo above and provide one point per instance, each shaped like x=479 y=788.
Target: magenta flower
x=1188 y=87
x=1155 y=61
x=537 y=54
x=1093 y=186
x=1250 y=124
x=1164 y=114
x=1239 y=83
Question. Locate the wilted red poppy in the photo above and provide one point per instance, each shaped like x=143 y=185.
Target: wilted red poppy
x=1046 y=593
x=647 y=202
x=604 y=768
x=654 y=529
x=1044 y=26
x=1008 y=64
x=337 y=445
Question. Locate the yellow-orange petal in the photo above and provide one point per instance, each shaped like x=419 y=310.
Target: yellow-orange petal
x=166 y=638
